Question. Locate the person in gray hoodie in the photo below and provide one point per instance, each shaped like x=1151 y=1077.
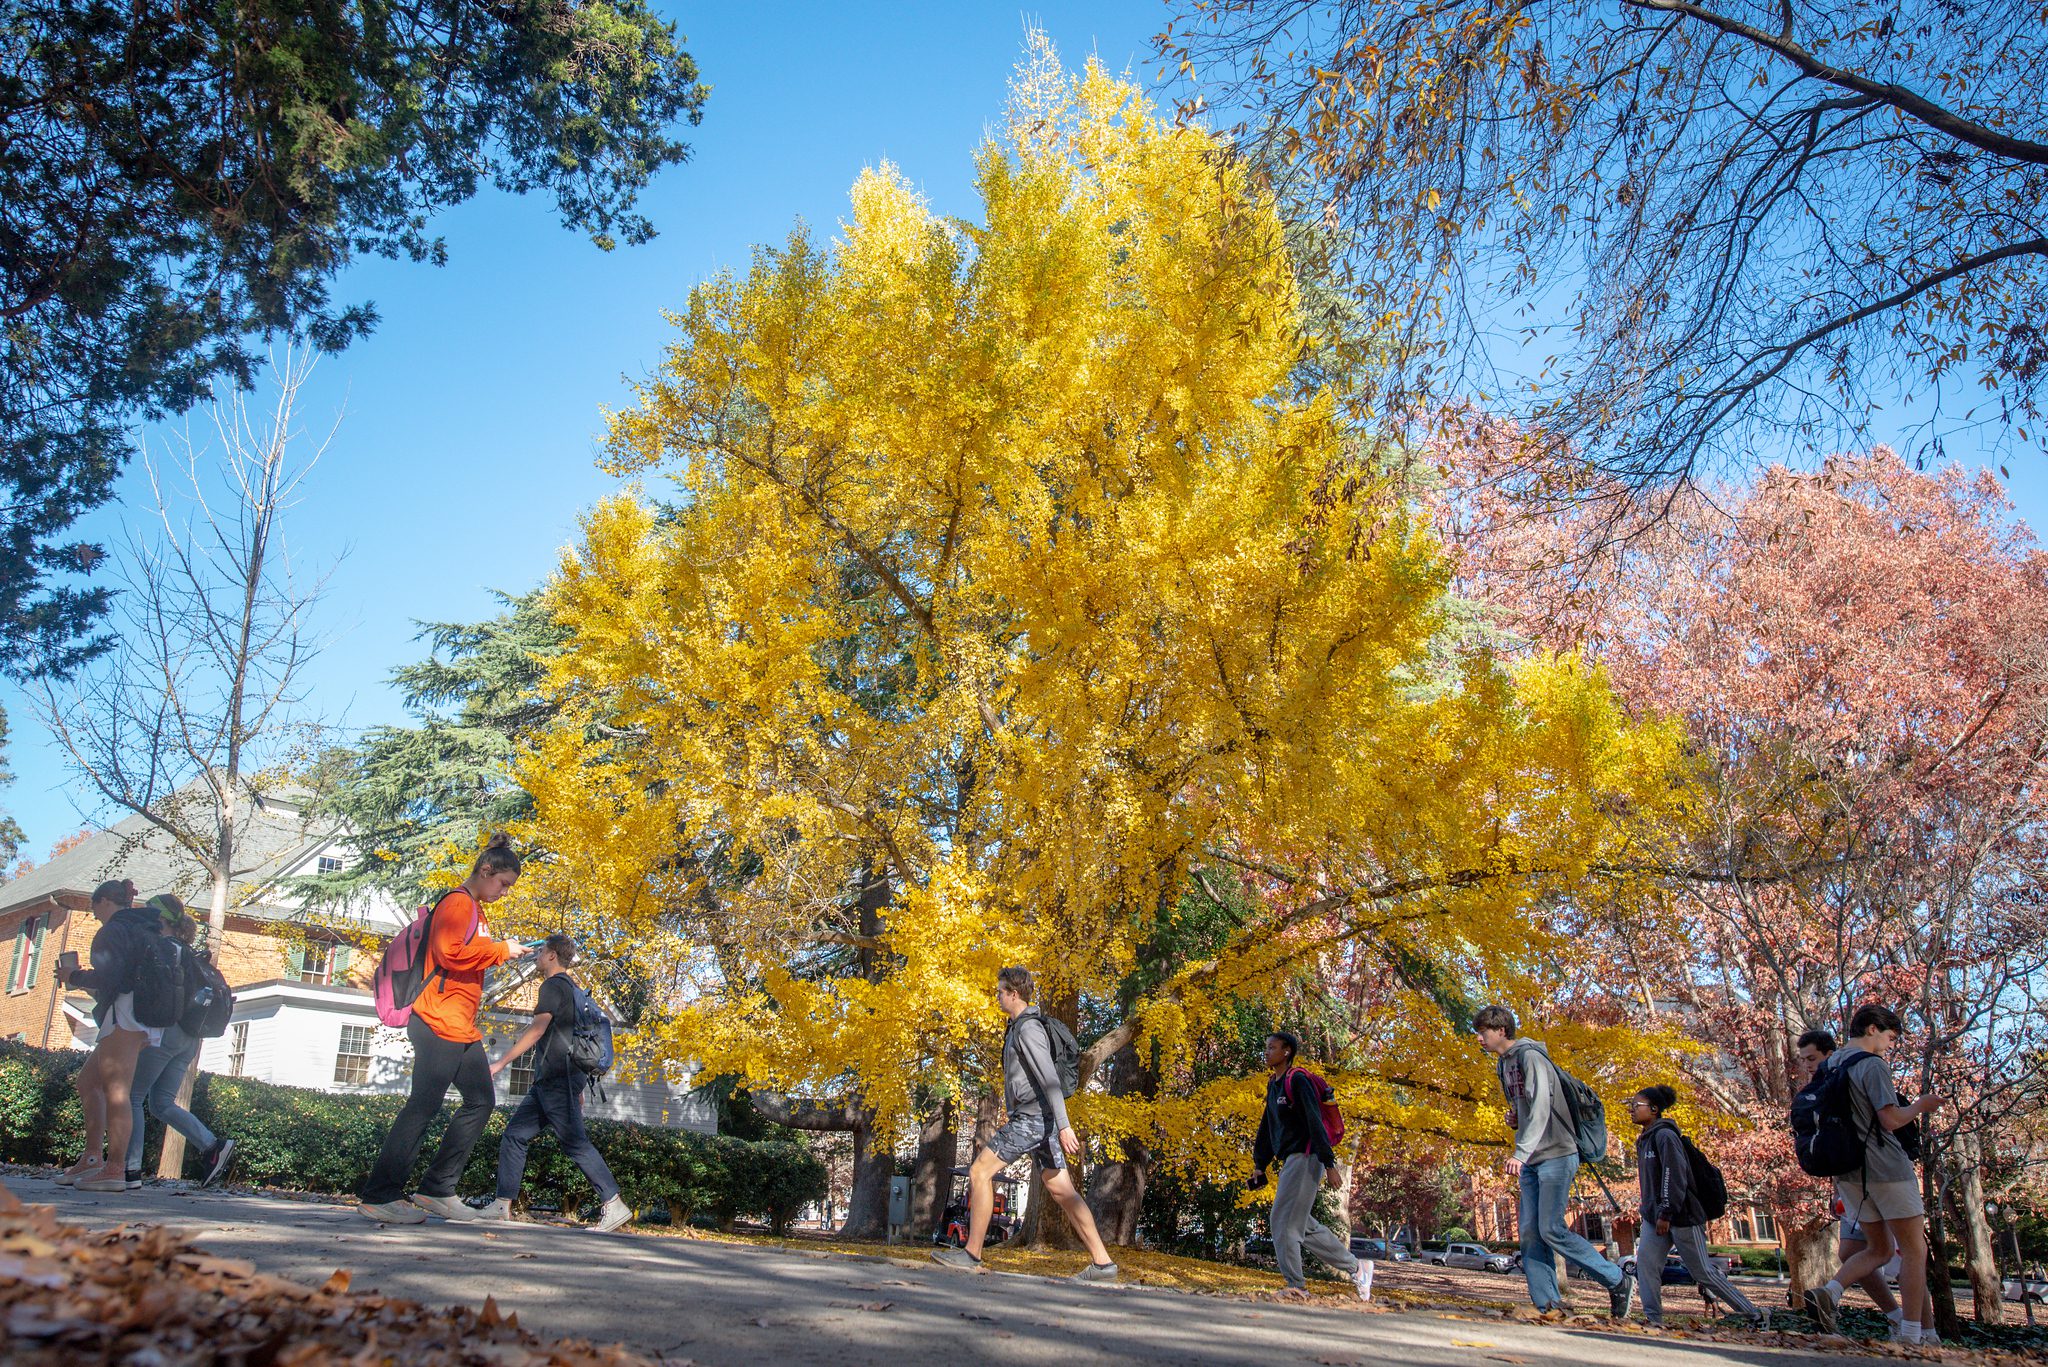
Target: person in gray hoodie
x=1671 y=1211
x=1545 y=1161
x=1035 y=1123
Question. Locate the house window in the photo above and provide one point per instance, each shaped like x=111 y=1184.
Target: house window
x=330 y=863
x=352 y=1058
x=519 y=1077
x=314 y=963
x=1742 y=1235
x=28 y=953
x=238 y=1048
x=1766 y=1226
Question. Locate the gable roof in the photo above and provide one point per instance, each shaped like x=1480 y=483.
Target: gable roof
x=275 y=839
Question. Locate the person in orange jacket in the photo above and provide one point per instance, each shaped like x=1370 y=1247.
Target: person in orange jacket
x=447 y=1048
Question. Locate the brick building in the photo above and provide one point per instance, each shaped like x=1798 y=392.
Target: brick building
x=303 y=1012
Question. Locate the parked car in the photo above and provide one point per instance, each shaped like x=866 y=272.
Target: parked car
x=1477 y=1257
x=1677 y=1273
x=1431 y=1253
x=1379 y=1250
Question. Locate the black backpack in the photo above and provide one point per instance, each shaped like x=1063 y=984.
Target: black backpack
x=590 y=1040
x=158 y=979
x=1709 y=1187
x=209 y=1004
x=1825 y=1138
x=1066 y=1053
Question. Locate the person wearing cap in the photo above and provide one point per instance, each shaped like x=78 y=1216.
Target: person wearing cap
x=161 y=1068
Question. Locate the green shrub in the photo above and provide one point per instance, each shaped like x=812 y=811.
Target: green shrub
x=1456 y=1234
x=305 y=1140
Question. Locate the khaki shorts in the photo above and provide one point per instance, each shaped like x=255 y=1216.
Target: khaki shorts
x=1870 y=1202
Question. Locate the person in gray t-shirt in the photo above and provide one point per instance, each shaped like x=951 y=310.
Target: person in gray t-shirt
x=1035 y=1124
x=1884 y=1194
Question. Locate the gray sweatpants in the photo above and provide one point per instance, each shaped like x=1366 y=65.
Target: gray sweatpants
x=1295 y=1226
x=1691 y=1242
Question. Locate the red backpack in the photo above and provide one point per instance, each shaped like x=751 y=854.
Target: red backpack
x=1326 y=1102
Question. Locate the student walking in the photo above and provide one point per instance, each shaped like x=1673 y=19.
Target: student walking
x=1292 y=1132
x=1884 y=1193
x=1035 y=1123
x=1812 y=1050
x=447 y=1048
x=1545 y=1162
x=161 y=1068
x=109 y=1072
x=555 y=1101
x=1673 y=1217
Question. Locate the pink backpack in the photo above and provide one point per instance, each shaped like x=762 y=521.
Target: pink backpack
x=403 y=971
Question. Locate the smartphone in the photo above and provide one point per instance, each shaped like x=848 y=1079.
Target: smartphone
x=67 y=962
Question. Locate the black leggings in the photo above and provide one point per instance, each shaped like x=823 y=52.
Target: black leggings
x=437 y=1064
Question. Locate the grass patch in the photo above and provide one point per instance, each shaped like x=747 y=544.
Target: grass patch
x=1140 y=1267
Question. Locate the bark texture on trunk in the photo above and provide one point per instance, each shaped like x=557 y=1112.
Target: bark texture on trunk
x=1116 y=1195
x=1809 y=1251
x=1980 y=1257
x=931 y=1181
x=1939 y=1288
x=874 y=1162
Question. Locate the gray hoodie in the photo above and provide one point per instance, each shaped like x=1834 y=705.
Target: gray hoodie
x=1028 y=1073
x=1543 y=1123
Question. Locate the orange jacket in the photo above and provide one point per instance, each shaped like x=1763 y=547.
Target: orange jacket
x=448 y=1003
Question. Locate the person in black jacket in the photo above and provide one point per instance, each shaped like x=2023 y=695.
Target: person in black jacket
x=109 y=1071
x=1672 y=1217
x=1291 y=1132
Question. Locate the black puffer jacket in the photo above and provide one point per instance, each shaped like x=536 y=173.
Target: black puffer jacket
x=116 y=954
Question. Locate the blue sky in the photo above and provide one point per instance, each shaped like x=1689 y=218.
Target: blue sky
x=470 y=417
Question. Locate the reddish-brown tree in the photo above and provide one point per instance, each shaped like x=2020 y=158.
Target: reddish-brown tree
x=1857 y=655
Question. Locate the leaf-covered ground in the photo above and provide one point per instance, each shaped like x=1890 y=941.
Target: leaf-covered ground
x=140 y=1294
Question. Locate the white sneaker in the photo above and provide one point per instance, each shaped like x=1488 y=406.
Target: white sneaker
x=1362 y=1279
x=500 y=1209
x=449 y=1208
x=392 y=1212
x=615 y=1214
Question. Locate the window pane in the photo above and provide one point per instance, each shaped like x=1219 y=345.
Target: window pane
x=352 y=1057
x=238 y=1048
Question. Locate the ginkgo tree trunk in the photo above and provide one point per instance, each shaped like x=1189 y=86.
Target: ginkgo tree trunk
x=1010 y=560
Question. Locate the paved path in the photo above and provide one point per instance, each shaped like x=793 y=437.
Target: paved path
x=720 y=1303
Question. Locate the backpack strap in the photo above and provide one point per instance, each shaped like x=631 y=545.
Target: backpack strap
x=1044 y=1105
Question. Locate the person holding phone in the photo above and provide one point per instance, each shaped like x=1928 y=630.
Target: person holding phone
x=448 y=1049
x=109 y=1072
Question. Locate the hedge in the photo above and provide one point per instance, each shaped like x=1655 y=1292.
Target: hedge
x=297 y=1138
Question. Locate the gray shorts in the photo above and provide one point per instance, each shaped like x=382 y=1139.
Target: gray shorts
x=1870 y=1202
x=1029 y=1133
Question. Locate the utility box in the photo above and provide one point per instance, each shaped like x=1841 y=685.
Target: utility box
x=899 y=1201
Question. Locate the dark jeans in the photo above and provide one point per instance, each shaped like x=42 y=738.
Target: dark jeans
x=557 y=1104
x=437 y=1064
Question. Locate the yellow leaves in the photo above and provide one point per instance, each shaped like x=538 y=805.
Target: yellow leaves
x=1011 y=580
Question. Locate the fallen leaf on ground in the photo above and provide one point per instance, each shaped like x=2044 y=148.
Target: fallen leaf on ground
x=142 y=1293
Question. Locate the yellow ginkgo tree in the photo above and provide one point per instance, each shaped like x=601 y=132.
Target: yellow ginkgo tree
x=1009 y=581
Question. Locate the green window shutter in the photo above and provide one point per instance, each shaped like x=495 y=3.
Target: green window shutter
x=35 y=962
x=296 y=959
x=14 y=965
x=342 y=953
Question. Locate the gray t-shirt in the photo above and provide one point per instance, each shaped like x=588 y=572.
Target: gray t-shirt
x=1870 y=1091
